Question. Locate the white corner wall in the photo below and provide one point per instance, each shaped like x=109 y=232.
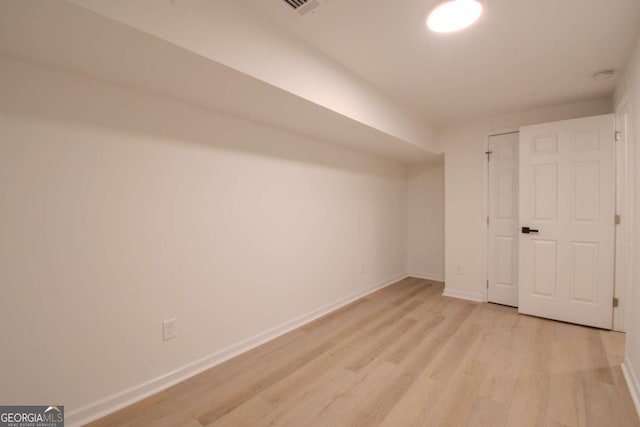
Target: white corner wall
x=425 y=220
x=465 y=216
x=630 y=87
x=120 y=209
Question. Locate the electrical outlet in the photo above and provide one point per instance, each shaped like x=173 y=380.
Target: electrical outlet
x=459 y=270
x=362 y=269
x=168 y=329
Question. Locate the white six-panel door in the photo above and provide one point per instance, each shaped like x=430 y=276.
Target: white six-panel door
x=503 y=219
x=567 y=194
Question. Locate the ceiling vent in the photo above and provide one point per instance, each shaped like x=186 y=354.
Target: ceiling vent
x=302 y=6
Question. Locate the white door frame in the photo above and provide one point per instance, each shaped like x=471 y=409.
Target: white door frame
x=625 y=170
x=485 y=202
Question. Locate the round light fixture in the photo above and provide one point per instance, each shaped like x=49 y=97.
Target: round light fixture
x=454 y=15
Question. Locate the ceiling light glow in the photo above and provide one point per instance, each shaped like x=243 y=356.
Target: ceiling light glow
x=454 y=15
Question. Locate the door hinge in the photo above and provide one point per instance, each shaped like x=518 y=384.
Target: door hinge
x=618 y=135
x=487 y=283
x=617 y=220
x=488 y=153
x=487 y=220
x=616 y=302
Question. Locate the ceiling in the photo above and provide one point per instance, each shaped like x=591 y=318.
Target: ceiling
x=521 y=54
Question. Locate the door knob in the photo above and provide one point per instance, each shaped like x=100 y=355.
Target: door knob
x=527 y=230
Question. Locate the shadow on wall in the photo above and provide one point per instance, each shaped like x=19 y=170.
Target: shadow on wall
x=417 y=170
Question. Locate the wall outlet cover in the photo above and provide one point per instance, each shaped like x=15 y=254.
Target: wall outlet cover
x=168 y=329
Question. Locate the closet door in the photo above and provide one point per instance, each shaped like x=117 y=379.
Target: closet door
x=567 y=220
x=502 y=286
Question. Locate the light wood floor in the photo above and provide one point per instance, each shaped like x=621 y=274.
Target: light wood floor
x=407 y=356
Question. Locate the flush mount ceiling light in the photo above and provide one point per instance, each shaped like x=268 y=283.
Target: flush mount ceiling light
x=454 y=15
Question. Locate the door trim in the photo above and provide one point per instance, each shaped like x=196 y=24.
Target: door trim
x=625 y=208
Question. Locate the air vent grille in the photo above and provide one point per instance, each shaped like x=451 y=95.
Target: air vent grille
x=296 y=3
x=302 y=6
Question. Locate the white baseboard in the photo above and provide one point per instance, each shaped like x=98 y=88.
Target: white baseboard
x=434 y=277
x=471 y=296
x=127 y=397
x=633 y=384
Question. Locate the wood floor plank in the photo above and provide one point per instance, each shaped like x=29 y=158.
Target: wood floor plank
x=408 y=356
x=222 y=384
x=457 y=400
x=417 y=400
x=614 y=345
x=158 y=400
x=624 y=402
x=566 y=395
x=595 y=360
x=304 y=408
x=248 y=413
x=413 y=339
x=486 y=413
x=159 y=410
x=458 y=373
x=531 y=395
x=427 y=366
x=432 y=344
x=301 y=380
x=360 y=404
x=222 y=373
x=354 y=352
x=601 y=402
x=500 y=383
x=234 y=395
x=370 y=352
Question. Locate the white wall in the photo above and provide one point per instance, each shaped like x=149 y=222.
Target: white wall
x=465 y=216
x=630 y=87
x=119 y=209
x=425 y=220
